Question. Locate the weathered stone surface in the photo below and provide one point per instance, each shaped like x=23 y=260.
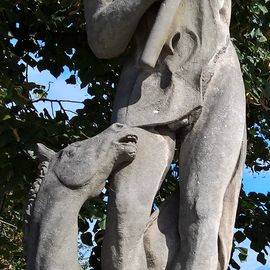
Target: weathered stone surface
x=195 y=95
x=181 y=83
x=67 y=179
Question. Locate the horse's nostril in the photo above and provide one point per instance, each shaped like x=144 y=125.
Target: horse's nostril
x=128 y=139
x=118 y=125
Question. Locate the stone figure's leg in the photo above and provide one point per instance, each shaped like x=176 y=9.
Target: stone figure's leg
x=207 y=168
x=132 y=191
x=225 y=235
x=161 y=238
x=208 y=159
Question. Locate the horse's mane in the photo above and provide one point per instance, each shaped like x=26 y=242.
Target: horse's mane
x=43 y=168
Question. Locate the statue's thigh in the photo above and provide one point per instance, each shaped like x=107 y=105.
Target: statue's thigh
x=138 y=182
x=209 y=153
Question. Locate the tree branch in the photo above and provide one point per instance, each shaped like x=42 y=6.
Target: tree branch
x=55 y=100
x=8 y=224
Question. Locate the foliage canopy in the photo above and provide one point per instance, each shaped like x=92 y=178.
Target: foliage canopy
x=50 y=35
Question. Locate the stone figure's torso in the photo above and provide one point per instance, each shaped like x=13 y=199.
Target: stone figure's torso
x=174 y=88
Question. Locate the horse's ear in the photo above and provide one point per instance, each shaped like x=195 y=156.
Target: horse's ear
x=44 y=153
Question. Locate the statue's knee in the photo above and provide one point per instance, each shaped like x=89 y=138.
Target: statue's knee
x=206 y=210
x=131 y=205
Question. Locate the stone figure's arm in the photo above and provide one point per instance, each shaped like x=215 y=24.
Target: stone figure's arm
x=110 y=24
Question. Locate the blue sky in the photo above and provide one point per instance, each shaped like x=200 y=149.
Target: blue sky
x=60 y=90
x=257 y=182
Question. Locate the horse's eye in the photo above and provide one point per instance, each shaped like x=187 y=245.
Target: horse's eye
x=70 y=153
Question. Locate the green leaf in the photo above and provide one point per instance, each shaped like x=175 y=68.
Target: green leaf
x=263 y=8
x=262 y=39
x=266 y=90
x=239 y=236
x=87 y=238
x=83 y=225
x=71 y=80
x=261 y=258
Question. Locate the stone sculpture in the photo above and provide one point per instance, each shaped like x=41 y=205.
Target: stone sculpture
x=70 y=177
x=67 y=179
x=192 y=94
x=181 y=84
